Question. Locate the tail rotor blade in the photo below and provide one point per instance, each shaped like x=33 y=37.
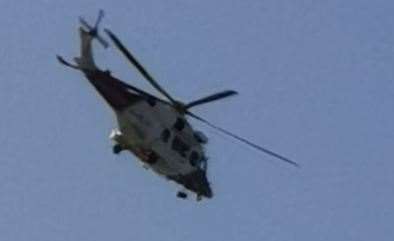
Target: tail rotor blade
x=99 y=18
x=243 y=140
x=94 y=30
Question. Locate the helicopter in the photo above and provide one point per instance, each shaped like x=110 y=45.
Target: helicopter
x=155 y=130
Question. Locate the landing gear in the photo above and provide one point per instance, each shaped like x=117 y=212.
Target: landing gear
x=181 y=195
x=116 y=149
x=117 y=137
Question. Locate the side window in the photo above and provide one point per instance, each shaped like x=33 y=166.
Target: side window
x=179 y=146
x=151 y=101
x=179 y=124
x=165 y=135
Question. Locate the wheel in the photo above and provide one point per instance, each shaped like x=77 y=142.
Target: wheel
x=116 y=149
x=181 y=195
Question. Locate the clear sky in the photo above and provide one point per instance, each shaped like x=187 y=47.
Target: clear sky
x=316 y=83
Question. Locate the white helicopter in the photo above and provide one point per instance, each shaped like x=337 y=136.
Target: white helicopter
x=154 y=130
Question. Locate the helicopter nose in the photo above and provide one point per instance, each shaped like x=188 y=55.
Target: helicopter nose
x=201 y=184
x=196 y=182
x=207 y=193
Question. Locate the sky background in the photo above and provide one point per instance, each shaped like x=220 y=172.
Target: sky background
x=316 y=83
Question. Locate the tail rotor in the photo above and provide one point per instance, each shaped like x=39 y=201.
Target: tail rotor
x=93 y=31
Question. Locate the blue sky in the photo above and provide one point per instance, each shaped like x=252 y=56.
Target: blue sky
x=316 y=84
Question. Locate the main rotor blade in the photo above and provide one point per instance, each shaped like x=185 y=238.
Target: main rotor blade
x=135 y=62
x=214 y=97
x=257 y=147
x=143 y=93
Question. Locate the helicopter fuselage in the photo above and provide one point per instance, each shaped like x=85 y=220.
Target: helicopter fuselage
x=164 y=142
x=155 y=132
x=153 y=129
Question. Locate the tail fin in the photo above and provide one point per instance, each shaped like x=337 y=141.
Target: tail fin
x=86 y=61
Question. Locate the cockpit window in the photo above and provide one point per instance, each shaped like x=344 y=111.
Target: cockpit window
x=200 y=137
x=179 y=146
